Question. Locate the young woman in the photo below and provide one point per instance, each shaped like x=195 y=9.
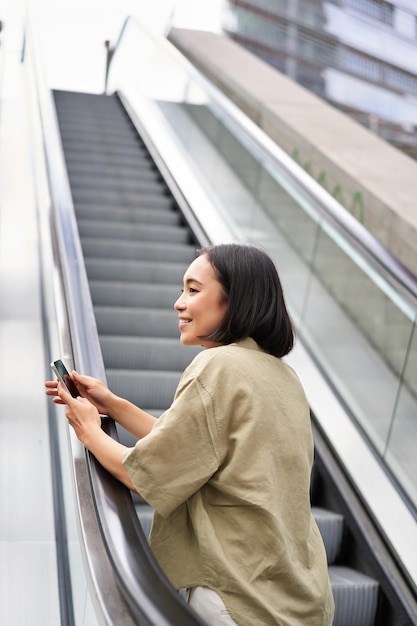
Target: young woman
x=227 y=466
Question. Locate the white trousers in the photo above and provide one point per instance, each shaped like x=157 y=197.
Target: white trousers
x=208 y=604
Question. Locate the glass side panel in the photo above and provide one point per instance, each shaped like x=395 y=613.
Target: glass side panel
x=347 y=319
x=400 y=453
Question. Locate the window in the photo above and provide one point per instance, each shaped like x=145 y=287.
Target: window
x=376 y=9
x=360 y=65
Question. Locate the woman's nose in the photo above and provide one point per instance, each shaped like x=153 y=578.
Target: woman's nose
x=178 y=305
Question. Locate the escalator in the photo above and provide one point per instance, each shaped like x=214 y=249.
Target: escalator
x=137 y=242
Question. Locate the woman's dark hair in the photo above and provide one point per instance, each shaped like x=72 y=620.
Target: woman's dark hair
x=256 y=306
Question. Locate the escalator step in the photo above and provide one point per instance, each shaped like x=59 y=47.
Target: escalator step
x=147 y=251
x=112 y=150
x=115 y=196
x=144 y=202
x=85 y=130
x=145 y=389
x=102 y=166
x=126 y=164
x=151 y=353
x=134 y=271
x=148 y=322
x=355 y=596
x=133 y=231
x=145 y=515
x=118 y=293
x=153 y=215
x=331 y=528
x=113 y=177
x=115 y=135
x=87 y=175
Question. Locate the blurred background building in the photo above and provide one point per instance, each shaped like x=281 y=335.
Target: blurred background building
x=359 y=55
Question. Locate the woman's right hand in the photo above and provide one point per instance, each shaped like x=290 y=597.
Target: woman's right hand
x=91 y=388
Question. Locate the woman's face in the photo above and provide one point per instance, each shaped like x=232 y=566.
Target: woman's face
x=200 y=307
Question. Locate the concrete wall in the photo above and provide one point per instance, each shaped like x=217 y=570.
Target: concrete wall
x=374 y=181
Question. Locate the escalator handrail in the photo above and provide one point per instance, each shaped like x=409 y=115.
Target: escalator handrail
x=144 y=588
x=294 y=177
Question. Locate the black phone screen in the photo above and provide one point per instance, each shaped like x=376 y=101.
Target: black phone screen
x=63 y=375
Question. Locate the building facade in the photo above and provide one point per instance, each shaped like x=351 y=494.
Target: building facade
x=359 y=55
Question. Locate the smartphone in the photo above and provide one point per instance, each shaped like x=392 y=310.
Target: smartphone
x=64 y=377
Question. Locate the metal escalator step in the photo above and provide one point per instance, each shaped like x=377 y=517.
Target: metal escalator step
x=86 y=106
x=146 y=198
x=95 y=143
x=150 y=353
x=113 y=177
x=143 y=202
x=80 y=114
x=135 y=271
x=91 y=150
x=150 y=251
x=78 y=129
x=78 y=139
x=75 y=160
x=145 y=389
x=111 y=155
x=118 y=196
x=355 y=596
x=133 y=232
x=85 y=168
x=145 y=514
x=163 y=216
x=117 y=293
x=105 y=112
x=331 y=529
x=136 y=321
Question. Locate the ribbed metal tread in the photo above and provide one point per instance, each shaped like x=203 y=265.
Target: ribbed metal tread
x=100 y=167
x=144 y=202
x=114 y=179
x=124 y=197
x=109 y=138
x=331 y=529
x=84 y=132
x=146 y=353
x=355 y=596
x=134 y=271
x=137 y=321
x=151 y=251
x=154 y=389
x=156 y=215
x=126 y=163
x=90 y=140
x=134 y=231
x=91 y=173
x=106 y=292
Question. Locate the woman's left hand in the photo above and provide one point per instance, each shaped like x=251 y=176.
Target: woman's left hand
x=81 y=414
